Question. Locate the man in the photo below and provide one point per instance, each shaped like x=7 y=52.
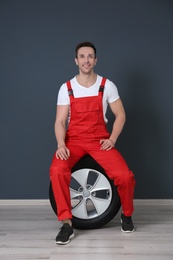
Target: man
x=82 y=102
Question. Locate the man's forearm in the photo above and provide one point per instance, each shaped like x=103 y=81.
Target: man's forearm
x=117 y=128
x=60 y=133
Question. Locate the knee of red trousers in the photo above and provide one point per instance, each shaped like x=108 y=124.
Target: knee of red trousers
x=59 y=167
x=60 y=175
x=125 y=179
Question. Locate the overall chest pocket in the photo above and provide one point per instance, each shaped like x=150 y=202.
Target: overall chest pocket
x=86 y=113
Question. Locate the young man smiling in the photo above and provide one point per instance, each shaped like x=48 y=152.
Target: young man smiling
x=83 y=102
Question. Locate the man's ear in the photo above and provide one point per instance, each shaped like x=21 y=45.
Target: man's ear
x=95 y=61
x=76 y=61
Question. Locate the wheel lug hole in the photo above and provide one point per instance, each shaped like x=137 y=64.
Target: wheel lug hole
x=93 y=194
x=89 y=187
x=80 y=189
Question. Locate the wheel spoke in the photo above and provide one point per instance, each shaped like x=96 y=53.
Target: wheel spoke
x=80 y=210
x=74 y=194
x=101 y=183
x=81 y=177
x=100 y=205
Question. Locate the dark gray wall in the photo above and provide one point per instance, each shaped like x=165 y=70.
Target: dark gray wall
x=134 y=40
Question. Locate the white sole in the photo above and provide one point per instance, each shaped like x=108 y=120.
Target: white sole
x=128 y=231
x=64 y=243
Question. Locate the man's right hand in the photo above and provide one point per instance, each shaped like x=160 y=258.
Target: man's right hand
x=62 y=152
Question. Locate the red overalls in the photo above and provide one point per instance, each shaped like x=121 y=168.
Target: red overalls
x=85 y=130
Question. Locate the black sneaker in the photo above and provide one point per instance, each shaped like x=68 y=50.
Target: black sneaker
x=127 y=224
x=65 y=234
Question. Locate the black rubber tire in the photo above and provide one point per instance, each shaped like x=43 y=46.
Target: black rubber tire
x=114 y=206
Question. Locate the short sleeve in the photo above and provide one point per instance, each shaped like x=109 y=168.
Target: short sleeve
x=112 y=92
x=63 y=97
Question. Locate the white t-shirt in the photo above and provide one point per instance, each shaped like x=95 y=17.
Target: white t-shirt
x=110 y=93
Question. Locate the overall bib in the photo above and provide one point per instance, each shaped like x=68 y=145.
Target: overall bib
x=86 y=129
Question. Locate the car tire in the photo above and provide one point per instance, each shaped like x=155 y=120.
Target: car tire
x=94 y=197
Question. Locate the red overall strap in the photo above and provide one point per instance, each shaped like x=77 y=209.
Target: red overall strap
x=102 y=85
x=103 y=82
x=70 y=91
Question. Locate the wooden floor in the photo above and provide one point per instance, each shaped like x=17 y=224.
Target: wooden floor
x=28 y=229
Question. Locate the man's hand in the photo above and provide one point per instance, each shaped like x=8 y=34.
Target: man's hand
x=106 y=144
x=62 y=152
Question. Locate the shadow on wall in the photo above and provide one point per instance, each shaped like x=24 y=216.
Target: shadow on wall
x=141 y=142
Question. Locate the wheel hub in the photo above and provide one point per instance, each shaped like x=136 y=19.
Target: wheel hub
x=86 y=193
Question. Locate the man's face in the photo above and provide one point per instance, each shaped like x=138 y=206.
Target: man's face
x=86 y=60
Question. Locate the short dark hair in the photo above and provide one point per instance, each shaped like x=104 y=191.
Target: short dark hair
x=85 y=44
